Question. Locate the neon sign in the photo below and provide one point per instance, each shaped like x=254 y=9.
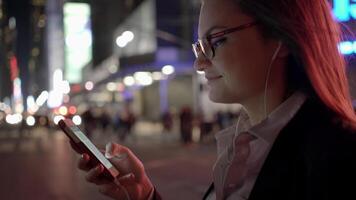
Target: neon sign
x=347 y=47
x=344 y=10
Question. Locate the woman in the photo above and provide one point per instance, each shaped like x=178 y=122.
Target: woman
x=295 y=138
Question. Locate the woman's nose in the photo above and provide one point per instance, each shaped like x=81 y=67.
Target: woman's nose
x=201 y=63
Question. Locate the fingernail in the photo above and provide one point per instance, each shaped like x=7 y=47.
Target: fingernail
x=120 y=156
x=129 y=176
x=108 y=150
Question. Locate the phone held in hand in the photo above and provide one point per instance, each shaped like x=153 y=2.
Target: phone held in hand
x=82 y=142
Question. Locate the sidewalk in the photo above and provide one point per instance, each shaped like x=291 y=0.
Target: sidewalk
x=46 y=166
x=177 y=171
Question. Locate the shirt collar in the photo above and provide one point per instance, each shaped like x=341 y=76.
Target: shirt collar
x=269 y=128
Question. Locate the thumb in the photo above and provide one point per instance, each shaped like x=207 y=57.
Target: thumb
x=114 y=150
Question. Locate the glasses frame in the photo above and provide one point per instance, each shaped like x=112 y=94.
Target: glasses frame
x=202 y=44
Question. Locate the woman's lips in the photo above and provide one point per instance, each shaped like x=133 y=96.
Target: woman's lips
x=212 y=78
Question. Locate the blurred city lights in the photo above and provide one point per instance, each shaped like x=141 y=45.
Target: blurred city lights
x=77 y=120
x=32 y=107
x=57 y=118
x=65 y=87
x=63 y=110
x=42 y=98
x=42 y=21
x=89 y=85
x=113 y=69
x=4 y=107
x=143 y=78
x=168 y=70
x=120 y=87
x=124 y=39
x=60 y=87
x=83 y=40
x=129 y=81
x=111 y=86
x=17 y=99
x=157 y=76
x=12 y=23
x=30 y=121
x=347 y=47
x=66 y=98
x=72 y=110
x=13 y=118
x=128 y=35
x=344 y=10
x=55 y=99
x=57 y=79
x=78 y=39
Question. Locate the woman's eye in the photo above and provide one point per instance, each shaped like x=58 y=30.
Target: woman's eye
x=217 y=43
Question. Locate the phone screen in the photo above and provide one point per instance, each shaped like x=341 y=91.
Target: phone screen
x=81 y=140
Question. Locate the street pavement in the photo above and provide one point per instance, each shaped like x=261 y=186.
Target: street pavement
x=40 y=165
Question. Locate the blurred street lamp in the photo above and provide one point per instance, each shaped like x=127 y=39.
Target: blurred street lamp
x=63 y=110
x=129 y=81
x=13 y=118
x=168 y=70
x=30 y=121
x=111 y=86
x=89 y=85
x=124 y=39
x=77 y=120
x=143 y=78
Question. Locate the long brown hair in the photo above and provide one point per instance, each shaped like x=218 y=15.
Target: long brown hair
x=308 y=29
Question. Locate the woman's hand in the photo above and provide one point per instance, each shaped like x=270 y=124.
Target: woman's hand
x=132 y=176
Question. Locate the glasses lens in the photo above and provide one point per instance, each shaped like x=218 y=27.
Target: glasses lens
x=196 y=49
x=206 y=49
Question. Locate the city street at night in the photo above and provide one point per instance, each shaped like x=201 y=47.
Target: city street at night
x=255 y=98
x=40 y=165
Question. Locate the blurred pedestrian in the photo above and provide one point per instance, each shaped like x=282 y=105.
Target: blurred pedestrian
x=105 y=121
x=127 y=121
x=186 y=124
x=295 y=138
x=167 y=121
x=207 y=121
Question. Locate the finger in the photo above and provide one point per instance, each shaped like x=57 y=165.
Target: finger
x=114 y=149
x=93 y=175
x=128 y=179
x=83 y=163
x=124 y=159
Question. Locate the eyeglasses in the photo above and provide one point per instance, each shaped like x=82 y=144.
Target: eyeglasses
x=205 y=46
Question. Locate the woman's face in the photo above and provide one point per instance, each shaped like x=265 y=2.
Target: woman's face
x=237 y=71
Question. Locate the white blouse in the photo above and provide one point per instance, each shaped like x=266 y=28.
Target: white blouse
x=235 y=175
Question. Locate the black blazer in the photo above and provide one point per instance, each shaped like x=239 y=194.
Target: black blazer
x=313 y=157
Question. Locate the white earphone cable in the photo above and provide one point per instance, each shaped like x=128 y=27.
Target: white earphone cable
x=268 y=76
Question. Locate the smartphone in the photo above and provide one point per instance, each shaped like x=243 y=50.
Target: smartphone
x=82 y=142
